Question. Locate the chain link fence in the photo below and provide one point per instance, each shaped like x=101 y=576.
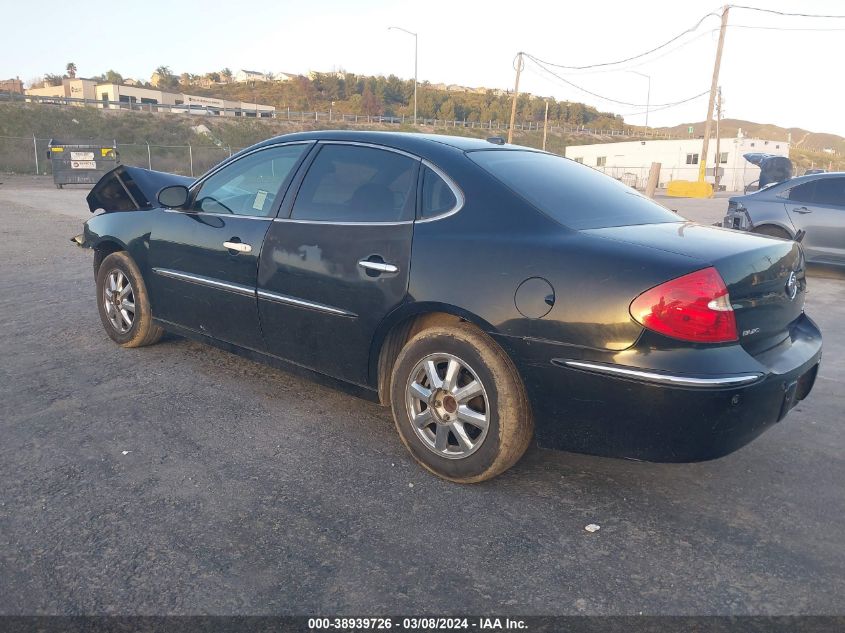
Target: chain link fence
x=22 y=155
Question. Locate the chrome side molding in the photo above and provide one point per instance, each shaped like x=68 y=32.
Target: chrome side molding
x=302 y=303
x=205 y=281
x=656 y=377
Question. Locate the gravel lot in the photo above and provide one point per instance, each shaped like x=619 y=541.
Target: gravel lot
x=180 y=479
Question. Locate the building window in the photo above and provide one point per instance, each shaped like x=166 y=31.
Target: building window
x=601 y=161
x=580 y=159
x=752 y=145
x=777 y=146
x=723 y=158
x=692 y=159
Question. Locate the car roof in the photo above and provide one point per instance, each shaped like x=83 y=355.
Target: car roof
x=790 y=183
x=411 y=142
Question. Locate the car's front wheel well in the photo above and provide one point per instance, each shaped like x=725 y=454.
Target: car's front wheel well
x=396 y=338
x=772 y=230
x=103 y=250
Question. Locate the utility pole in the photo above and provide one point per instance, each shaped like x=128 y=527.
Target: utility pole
x=716 y=177
x=545 y=125
x=416 y=57
x=702 y=166
x=519 y=64
x=648 y=94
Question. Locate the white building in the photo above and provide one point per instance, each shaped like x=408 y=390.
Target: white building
x=249 y=75
x=679 y=158
x=125 y=97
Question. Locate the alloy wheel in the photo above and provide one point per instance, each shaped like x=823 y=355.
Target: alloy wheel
x=448 y=406
x=119 y=301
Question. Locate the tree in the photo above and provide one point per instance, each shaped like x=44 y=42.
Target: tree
x=446 y=110
x=370 y=103
x=226 y=74
x=113 y=77
x=71 y=70
x=52 y=80
x=576 y=114
x=165 y=77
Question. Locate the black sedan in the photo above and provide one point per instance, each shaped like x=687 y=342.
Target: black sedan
x=486 y=292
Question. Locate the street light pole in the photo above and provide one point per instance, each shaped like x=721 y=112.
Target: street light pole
x=648 y=95
x=416 y=50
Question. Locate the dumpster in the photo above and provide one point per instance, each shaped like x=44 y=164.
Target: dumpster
x=82 y=163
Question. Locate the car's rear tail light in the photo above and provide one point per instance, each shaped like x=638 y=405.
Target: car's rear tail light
x=695 y=307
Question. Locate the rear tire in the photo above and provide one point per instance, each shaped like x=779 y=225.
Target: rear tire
x=459 y=404
x=772 y=231
x=123 y=303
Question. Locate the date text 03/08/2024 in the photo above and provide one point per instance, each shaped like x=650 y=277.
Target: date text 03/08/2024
x=416 y=624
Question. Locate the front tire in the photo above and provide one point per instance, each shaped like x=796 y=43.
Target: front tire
x=123 y=303
x=459 y=405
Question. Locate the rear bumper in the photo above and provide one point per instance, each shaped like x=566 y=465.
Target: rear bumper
x=738 y=219
x=655 y=414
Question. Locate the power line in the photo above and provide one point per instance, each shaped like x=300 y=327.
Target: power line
x=541 y=65
x=695 y=28
x=632 y=58
x=665 y=106
x=785 y=13
x=778 y=28
x=649 y=61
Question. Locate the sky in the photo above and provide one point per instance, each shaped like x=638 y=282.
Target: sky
x=790 y=78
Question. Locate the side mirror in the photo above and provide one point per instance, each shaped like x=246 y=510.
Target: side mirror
x=173 y=197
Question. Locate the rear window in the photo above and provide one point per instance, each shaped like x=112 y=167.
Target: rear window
x=575 y=195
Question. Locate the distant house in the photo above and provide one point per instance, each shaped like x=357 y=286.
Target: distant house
x=285 y=76
x=249 y=75
x=131 y=82
x=312 y=74
x=11 y=85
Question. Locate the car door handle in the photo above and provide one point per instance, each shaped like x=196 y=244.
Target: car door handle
x=802 y=210
x=377 y=266
x=238 y=246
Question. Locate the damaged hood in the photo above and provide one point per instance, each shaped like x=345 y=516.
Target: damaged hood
x=131 y=188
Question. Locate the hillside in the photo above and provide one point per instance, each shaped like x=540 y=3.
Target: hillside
x=806 y=150
x=348 y=93
x=170 y=135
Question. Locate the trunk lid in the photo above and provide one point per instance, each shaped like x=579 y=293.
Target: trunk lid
x=765 y=276
x=131 y=188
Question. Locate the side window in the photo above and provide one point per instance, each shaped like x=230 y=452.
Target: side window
x=350 y=183
x=803 y=193
x=437 y=196
x=830 y=191
x=249 y=185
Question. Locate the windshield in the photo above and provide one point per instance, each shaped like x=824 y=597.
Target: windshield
x=575 y=195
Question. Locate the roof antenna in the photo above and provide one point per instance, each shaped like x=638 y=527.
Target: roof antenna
x=496 y=140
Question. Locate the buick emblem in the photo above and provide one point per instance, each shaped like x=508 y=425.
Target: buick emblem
x=792 y=286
